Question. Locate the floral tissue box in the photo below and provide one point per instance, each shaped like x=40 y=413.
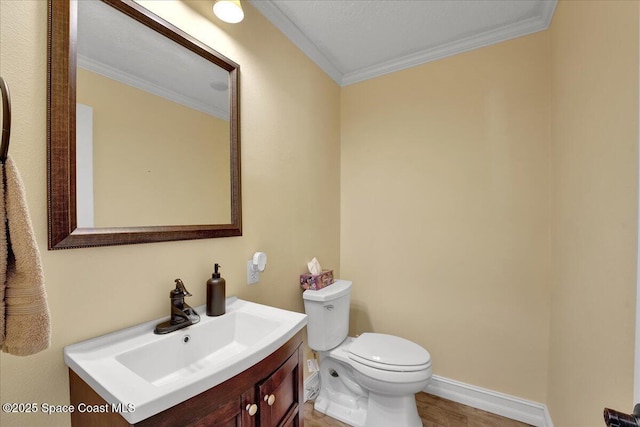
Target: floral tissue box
x=316 y=281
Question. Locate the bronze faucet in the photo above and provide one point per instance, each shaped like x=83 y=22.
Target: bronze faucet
x=182 y=315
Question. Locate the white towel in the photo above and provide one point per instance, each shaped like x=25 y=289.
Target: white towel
x=26 y=320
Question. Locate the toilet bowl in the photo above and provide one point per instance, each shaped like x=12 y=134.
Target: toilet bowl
x=367 y=381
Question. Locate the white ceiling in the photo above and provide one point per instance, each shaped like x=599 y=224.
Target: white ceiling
x=355 y=40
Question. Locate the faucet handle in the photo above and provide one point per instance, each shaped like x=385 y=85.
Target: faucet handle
x=180 y=287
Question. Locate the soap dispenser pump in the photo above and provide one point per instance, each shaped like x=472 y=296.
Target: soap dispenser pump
x=216 y=293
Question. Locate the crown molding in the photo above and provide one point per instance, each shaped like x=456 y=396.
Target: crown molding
x=477 y=41
x=270 y=11
x=282 y=22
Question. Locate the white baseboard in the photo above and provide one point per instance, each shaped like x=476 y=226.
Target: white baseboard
x=501 y=404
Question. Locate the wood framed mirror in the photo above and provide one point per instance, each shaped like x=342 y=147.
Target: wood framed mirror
x=143 y=129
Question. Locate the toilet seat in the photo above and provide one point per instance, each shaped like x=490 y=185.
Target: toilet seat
x=389 y=353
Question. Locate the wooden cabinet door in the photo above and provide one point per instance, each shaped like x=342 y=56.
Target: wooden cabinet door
x=227 y=415
x=223 y=406
x=279 y=395
x=249 y=409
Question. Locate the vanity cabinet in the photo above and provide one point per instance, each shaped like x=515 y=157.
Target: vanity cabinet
x=280 y=403
x=268 y=394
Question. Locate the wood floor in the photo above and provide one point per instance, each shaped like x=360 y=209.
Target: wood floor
x=434 y=411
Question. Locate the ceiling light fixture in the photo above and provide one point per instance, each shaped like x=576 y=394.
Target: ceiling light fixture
x=228 y=10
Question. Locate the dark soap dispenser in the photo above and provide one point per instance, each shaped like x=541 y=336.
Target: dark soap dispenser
x=216 y=294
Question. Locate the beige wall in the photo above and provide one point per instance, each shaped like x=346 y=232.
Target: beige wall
x=594 y=156
x=290 y=135
x=489 y=201
x=444 y=211
x=149 y=171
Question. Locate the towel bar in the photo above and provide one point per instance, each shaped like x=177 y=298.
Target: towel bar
x=6 y=120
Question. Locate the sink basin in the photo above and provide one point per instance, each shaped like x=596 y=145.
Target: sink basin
x=137 y=369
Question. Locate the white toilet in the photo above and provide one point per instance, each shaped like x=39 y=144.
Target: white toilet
x=367 y=381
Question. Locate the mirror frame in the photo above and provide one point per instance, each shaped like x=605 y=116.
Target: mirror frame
x=61 y=136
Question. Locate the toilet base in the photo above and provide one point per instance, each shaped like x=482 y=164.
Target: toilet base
x=385 y=411
x=381 y=411
x=349 y=414
x=340 y=396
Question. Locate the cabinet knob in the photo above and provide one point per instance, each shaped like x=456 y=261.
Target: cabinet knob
x=270 y=398
x=252 y=409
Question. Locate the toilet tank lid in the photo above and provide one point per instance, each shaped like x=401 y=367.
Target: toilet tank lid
x=331 y=292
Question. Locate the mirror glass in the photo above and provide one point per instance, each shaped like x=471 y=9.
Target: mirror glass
x=153 y=139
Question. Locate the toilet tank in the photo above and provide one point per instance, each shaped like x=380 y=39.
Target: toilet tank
x=328 y=315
